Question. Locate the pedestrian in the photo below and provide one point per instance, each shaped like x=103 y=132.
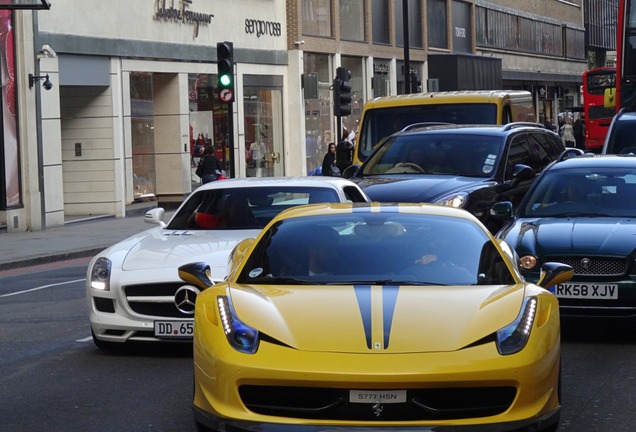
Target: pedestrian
x=209 y=166
x=560 y=124
x=548 y=124
x=579 y=133
x=329 y=167
x=344 y=151
x=568 y=134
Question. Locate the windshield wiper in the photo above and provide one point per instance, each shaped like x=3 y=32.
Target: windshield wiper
x=382 y=282
x=581 y=214
x=268 y=280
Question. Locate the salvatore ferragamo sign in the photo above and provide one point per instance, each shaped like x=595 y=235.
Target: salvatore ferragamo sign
x=165 y=10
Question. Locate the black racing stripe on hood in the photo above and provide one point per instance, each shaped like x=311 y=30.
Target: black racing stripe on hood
x=363 y=294
x=389 y=299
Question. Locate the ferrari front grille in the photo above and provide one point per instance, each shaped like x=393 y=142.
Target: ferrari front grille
x=593 y=265
x=421 y=404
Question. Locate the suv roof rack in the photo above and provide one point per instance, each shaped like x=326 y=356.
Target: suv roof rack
x=513 y=125
x=425 y=124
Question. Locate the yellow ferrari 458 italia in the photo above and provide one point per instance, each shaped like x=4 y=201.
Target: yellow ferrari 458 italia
x=375 y=317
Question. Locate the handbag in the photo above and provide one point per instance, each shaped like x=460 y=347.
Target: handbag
x=335 y=171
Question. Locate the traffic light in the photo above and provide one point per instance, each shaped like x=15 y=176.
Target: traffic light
x=342 y=92
x=225 y=68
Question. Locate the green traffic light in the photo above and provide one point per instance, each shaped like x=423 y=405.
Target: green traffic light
x=225 y=80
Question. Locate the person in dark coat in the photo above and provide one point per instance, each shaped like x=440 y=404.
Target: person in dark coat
x=209 y=166
x=329 y=161
x=344 y=154
x=579 y=133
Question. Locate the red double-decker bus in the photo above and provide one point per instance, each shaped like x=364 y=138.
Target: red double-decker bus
x=598 y=110
x=626 y=55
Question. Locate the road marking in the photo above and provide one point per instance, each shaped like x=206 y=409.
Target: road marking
x=86 y=339
x=41 y=288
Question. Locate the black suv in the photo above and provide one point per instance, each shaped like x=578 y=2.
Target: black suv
x=465 y=166
x=621 y=135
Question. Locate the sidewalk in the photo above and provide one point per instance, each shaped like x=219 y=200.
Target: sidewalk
x=75 y=239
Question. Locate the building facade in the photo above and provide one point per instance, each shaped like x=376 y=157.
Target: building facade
x=453 y=45
x=133 y=89
x=134 y=86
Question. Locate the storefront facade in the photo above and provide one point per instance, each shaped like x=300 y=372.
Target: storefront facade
x=134 y=89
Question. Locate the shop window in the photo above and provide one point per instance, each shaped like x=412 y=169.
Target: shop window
x=316 y=16
x=143 y=138
x=319 y=130
x=208 y=121
x=437 y=21
x=380 y=20
x=352 y=20
x=414 y=21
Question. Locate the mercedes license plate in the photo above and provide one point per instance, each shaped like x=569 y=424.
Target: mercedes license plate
x=174 y=329
x=373 y=396
x=590 y=291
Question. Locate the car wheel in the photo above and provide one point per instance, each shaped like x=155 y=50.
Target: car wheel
x=202 y=428
x=552 y=428
x=555 y=426
x=103 y=345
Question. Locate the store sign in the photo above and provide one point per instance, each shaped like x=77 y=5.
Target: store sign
x=380 y=68
x=165 y=10
x=263 y=28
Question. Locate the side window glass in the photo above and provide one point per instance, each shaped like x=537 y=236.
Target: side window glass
x=518 y=153
x=506 y=115
x=353 y=194
x=543 y=149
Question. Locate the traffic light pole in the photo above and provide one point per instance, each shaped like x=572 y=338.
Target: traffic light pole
x=230 y=138
x=341 y=98
x=226 y=94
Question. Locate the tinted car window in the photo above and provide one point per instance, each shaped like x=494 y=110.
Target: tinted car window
x=437 y=154
x=377 y=247
x=549 y=149
x=623 y=137
x=564 y=193
x=519 y=153
x=207 y=209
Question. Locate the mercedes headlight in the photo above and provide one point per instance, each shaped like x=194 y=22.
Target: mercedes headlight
x=100 y=274
x=514 y=337
x=241 y=337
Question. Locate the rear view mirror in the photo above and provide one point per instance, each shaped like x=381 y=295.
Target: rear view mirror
x=609 y=97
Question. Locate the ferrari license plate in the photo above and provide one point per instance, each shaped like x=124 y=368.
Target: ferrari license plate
x=174 y=329
x=373 y=396
x=596 y=291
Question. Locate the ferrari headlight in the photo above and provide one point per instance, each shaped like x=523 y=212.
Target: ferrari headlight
x=241 y=337
x=514 y=337
x=100 y=274
x=456 y=200
x=528 y=262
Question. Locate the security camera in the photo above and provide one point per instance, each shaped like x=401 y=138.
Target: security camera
x=47 y=51
x=47 y=84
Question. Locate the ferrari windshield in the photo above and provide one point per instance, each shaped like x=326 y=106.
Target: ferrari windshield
x=437 y=153
x=377 y=249
x=583 y=192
